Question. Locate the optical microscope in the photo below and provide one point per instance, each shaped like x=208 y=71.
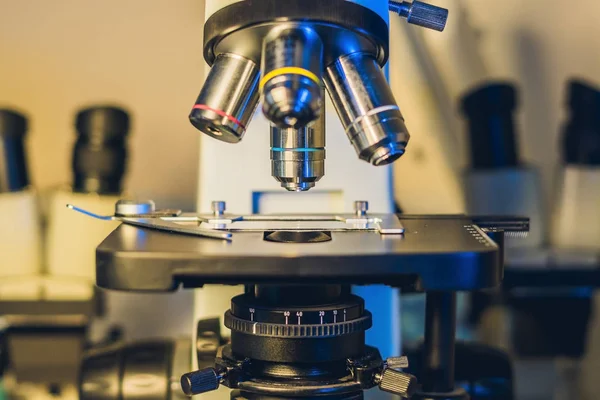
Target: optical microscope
x=297 y=328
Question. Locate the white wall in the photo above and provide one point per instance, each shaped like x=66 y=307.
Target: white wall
x=57 y=56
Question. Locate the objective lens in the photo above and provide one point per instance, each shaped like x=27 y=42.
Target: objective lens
x=291 y=77
x=367 y=108
x=298 y=155
x=228 y=98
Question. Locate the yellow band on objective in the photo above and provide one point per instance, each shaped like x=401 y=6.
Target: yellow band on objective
x=289 y=70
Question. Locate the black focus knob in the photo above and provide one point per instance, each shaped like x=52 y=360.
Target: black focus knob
x=399 y=383
x=201 y=381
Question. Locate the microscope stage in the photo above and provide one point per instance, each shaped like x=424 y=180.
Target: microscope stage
x=434 y=253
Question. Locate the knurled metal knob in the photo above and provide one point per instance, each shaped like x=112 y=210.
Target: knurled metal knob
x=399 y=383
x=421 y=14
x=397 y=362
x=201 y=381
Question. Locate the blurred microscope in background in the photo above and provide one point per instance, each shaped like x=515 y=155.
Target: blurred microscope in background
x=48 y=297
x=546 y=279
x=20 y=236
x=50 y=309
x=541 y=316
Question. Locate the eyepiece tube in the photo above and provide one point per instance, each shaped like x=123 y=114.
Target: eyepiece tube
x=100 y=152
x=228 y=98
x=367 y=108
x=14 y=175
x=489 y=112
x=581 y=133
x=291 y=76
x=298 y=155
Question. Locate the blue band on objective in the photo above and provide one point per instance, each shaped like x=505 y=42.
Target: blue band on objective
x=305 y=149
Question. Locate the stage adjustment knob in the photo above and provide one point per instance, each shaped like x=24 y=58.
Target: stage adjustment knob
x=202 y=381
x=398 y=383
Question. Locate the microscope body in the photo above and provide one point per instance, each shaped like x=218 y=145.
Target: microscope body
x=287 y=63
x=297 y=331
x=381 y=7
x=240 y=175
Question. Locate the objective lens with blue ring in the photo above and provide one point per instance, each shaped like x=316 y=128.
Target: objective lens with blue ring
x=298 y=155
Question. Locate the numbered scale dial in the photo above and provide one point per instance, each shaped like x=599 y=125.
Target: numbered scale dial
x=249 y=315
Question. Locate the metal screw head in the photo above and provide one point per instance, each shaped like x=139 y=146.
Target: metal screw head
x=218 y=207
x=427 y=16
x=361 y=207
x=397 y=362
x=421 y=14
x=133 y=207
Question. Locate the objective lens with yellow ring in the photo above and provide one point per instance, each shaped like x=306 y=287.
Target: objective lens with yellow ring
x=289 y=71
x=291 y=86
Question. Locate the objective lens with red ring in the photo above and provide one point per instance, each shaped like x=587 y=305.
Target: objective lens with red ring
x=228 y=98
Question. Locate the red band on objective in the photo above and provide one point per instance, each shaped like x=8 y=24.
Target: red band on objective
x=219 y=112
